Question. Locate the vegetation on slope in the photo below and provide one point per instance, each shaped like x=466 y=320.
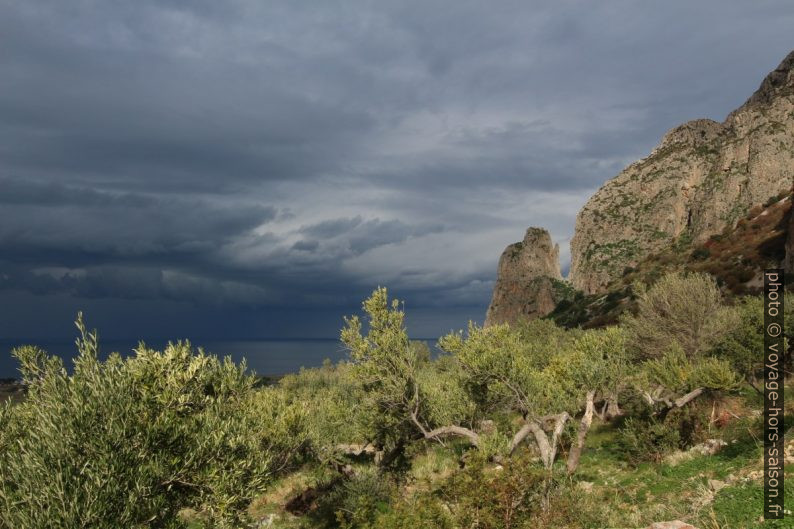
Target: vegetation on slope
x=530 y=426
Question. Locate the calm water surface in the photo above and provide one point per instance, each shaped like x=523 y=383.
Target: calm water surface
x=265 y=357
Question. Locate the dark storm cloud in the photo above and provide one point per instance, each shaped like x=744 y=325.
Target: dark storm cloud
x=68 y=225
x=269 y=158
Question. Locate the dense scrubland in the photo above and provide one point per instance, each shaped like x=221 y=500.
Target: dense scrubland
x=534 y=425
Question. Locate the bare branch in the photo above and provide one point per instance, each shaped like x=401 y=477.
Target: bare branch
x=442 y=431
x=682 y=401
x=460 y=431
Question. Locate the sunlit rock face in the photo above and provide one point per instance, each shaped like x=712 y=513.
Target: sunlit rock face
x=525 y=284
x=702 y=177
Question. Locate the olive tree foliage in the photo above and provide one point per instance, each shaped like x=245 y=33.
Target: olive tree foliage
x=538 y=372
x=593 y=368
x=445 y=400
x=385 y=366
x=678 y=322
x=742 y=344
x=504 y=366
x=129 y=442
x=543 y=373
x=337 y=402
x=388 y=369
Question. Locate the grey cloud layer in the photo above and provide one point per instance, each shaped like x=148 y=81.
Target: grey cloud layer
x=260 y=155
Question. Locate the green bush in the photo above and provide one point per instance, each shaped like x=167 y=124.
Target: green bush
x=691 y=422
x=647 y=440
x=129 y=442
x=355 y=502
x=334 y=398
x=421 y=512
x=505 y=496
x=384 y=365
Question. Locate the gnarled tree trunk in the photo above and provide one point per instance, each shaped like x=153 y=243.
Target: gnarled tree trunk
x=546 y=446
x=584 y=427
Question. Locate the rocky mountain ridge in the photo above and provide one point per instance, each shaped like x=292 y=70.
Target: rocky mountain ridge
x=702 y=179
x=736 y=258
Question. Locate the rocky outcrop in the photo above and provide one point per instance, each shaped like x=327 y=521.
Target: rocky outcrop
x=527 y=281
x=701 y=178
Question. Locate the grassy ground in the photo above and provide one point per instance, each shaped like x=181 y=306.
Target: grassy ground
x=722 y=491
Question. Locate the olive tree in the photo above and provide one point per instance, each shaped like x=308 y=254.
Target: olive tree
x=504 y=371
x=129 y=442
x=545 y=374
x=741 y=344
x=335 y=427
x=674 y=380
x=593 y=368
x=387 y=367
x=539 y=372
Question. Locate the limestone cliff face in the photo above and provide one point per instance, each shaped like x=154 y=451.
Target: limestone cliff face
x=525 y=284
x=702 y=177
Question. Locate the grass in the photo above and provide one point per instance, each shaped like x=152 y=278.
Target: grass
x=626 y=496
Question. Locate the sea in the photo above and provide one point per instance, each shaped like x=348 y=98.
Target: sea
x=263 y=357
x=272 y=357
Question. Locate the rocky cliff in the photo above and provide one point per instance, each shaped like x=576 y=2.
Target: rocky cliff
x=701 y=178
x=527 y=281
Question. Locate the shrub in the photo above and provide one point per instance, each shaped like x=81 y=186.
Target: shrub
x=692 y=422
x=334 y=398
x=686 y=309
x=421 y=512
x=647 y=440
x=129 y=442
x=356 y=502
x=504 y=497
x=384 y=366
x=740 y=346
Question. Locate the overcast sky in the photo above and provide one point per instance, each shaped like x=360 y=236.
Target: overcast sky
x=250 y=168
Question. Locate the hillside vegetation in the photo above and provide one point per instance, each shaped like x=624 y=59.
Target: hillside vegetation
x=530 y=426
